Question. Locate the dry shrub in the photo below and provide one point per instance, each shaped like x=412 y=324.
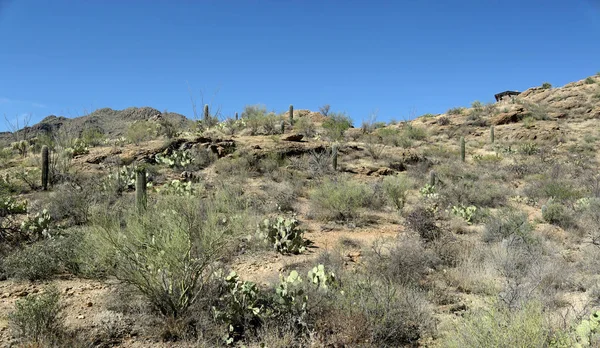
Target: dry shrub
x=422 y=221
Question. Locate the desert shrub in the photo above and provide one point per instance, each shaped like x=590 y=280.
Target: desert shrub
x=469 y=191
x=589 y=221
x=167 y=128
x=92 y=136
x=389 y=136
x=37 y=318
x=556 y=213
x=406 y=262
x=319 y=163
x=396 y=188
x=394 y=315
x=546 y=85
x=167 y=253
x=499 y=326
x=414 y=132
x=422 y=221
x=555 y=184
x=443 y=121
x=339 y=199
x=259 y=121
x=589 y=81
x=139 y=131
x=506 y=223
x=336 y=124
x=71 y=204
x=306 y=126
x=45 y=258
x=456 y=111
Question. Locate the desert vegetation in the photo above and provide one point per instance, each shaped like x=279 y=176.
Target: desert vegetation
x=474 y=228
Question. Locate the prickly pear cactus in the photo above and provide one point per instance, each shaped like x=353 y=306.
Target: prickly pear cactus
x=283 y=235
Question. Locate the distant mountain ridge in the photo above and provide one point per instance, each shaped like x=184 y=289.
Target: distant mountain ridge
x=113 y=123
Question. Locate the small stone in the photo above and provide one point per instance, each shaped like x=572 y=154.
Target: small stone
x=81 y=317
x=89 y=304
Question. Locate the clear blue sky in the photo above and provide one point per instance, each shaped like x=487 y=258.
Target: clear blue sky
x=402 y=58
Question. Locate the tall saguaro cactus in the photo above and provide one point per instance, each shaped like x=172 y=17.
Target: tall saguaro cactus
x=45 y=167
x=236 y=116
x=291 y=114
x=432 y=178
x=334 y=156
x=492 y=134
x=141 y=198
x=462 y=149
x=206 y=114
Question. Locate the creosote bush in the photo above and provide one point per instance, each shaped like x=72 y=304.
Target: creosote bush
x=37 y=318
x=501 y=327
x=396 y=188
x=506 y=223
x=336 y=124
x=341 y=199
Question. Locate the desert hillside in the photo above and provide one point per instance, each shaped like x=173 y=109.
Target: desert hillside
x=479 y=227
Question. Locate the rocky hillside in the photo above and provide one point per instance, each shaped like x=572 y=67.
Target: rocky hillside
x=478 y=227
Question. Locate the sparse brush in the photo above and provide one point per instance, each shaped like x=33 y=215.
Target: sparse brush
x=37 y=318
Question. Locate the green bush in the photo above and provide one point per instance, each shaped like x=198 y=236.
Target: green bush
x=500 y=327
x=396 y=188
x=546 y=85
x=92 y=136
x=259 y=121
x=557 y=214
x=44 y=259
x=139 y=131
x=336 y=124
x=340 y=199
x=506 y=223
x=456 y=111
x=37 y=318
x=413 y=132
x=168 y=252
x=305 y=126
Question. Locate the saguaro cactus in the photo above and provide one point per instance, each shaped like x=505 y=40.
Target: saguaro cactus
x=45 y=167
x=432 y=178
x=492 y=134
x=141 y=198
x=236 y=116
x=206 y=114
x=462 y=149
x=334 y=156
x=282 y=125
x=291 y=114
